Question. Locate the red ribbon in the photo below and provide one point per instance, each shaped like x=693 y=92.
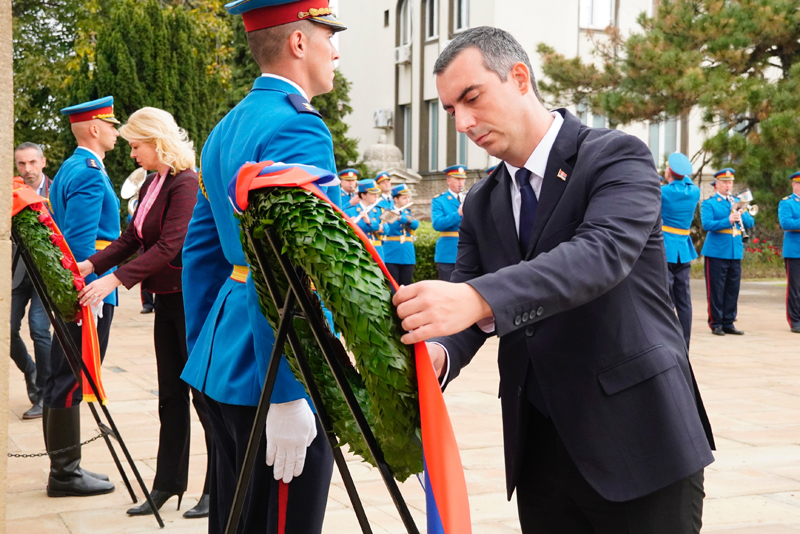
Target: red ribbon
x=438 y=439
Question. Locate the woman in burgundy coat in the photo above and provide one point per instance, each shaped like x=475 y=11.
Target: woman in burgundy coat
x=166 y=201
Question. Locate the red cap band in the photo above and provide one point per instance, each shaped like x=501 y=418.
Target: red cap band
x=90 y=115
x=268 y=17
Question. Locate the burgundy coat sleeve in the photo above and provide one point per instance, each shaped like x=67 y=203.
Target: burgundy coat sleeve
x=180 y=204
x=125 y=246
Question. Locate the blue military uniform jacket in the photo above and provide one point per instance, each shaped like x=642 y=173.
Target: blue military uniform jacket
x=789 y=216
x=373 y=230
x=398 y=246
x=228 y=339
x=678 y=203
x=387 y=203
x=346 y=197
x=85 y=207
x=722 y=240
x=445 y=218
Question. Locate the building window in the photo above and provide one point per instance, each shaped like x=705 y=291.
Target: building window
x=588 y=117
x=596 y=14
x=461 y=154
x=431 y=19
x=433 y=135
x=461 y=14
x=407 y=135
x=663 y=141
x=405 y=22
x=386 y=19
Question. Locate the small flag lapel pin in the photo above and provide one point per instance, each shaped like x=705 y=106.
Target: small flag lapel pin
x=562 y=175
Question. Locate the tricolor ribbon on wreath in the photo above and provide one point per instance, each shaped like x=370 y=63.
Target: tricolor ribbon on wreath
x=446 y=498
x=25 y=197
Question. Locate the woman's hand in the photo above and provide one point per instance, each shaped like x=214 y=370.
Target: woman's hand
x=86 y=267
x=98 y=290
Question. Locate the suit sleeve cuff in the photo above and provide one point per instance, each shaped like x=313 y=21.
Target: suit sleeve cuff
x=443 y=379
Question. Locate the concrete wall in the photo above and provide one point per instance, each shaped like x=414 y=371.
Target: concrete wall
x=6 y=169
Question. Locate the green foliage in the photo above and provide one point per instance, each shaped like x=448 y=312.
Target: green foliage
x=149 y=55
x=425 y=249
x=738 y=61
x=35 y=236
x=334 y=106
x=353 y=287
x=43 y=38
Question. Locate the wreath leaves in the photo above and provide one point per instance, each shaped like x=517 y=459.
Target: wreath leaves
x=316 y=238
x=49 y=259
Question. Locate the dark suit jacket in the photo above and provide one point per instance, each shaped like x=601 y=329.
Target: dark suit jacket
x=164 y=229
x=19 y=273
x=588 y=306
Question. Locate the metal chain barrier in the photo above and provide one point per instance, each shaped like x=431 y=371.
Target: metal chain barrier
x=59 y=451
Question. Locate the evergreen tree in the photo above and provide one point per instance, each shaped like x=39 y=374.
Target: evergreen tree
x=334 y=107
x=149 y=55
x=737 y=61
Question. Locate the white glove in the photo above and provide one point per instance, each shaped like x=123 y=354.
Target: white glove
x=291 y=427
x=97 y=310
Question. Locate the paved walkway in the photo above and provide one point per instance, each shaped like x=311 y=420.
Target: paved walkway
x=751 y=387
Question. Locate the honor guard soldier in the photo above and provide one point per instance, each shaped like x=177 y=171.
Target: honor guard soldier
x=384 y=181
x=398 y=245
x=679 y=199
x=349 y=184
x=789 y=216
x=446 y=213
x=86 y=209
x=367 y=213
x=229 y=340
x=723 y=251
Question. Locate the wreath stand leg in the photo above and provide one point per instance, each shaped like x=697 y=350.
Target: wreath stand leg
x=296 y=296
x=73 y=355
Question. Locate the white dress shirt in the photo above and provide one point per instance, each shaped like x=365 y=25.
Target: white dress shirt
x=537 y=164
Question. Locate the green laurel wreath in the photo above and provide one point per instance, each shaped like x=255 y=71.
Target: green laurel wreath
x=48 y=257
x=317 y=239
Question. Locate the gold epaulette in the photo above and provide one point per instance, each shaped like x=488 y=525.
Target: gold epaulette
x=202 y=185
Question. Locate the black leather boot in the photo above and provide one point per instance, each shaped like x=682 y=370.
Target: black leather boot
x=200 y=509
x=86 y=472
x=63 y=430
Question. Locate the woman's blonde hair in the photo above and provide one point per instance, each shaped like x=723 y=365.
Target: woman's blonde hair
x=157 y=127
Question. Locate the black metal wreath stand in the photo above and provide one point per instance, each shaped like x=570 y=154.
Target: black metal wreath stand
x=73 y=355
x=296 y=297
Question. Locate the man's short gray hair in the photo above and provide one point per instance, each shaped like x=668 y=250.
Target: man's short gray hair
x=27 y=145
x=499 y=49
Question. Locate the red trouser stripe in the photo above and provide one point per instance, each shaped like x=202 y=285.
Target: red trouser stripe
x=68 y=401
x=283 y=498
x=708 y=296
x=788 y=287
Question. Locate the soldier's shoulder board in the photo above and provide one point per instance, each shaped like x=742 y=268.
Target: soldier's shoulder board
x=92 y=164
x=787 y=197
x=301 y=104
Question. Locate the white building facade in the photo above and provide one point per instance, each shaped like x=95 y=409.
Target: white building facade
x=390 y=47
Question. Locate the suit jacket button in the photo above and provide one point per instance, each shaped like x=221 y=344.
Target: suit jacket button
x=517 y=320
x=540 y=311
x=525 y=317
x=529 y=330
x=519 y=391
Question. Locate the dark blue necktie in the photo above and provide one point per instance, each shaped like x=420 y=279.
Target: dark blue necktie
x=527 y=208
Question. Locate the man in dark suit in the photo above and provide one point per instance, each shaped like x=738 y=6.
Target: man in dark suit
x=561 y=255
x=30 y=162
